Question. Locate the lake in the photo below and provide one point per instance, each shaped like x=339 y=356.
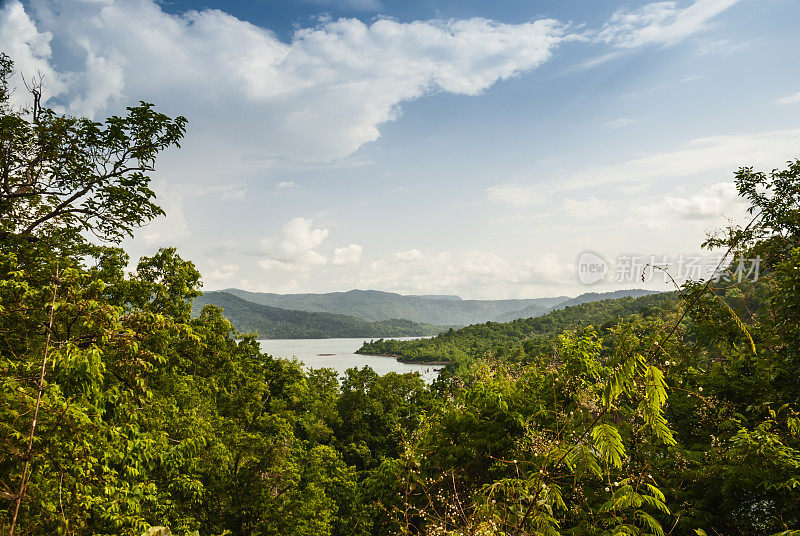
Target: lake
x=342 y=356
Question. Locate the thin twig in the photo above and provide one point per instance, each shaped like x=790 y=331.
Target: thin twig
x=29 y=452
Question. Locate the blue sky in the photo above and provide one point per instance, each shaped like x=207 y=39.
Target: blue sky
x=468 y=147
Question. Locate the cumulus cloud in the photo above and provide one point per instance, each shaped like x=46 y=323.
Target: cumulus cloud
x=316 y=98
x=711 y=202
x=411 y=255
x=281 y=185
x=476 y=272
x=516 y=195
x=660 y=23
x=347 y=255
x=30 y=49
x=294 y=247
x=709 y=205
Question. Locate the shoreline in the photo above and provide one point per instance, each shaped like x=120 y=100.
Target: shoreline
x=402 y=359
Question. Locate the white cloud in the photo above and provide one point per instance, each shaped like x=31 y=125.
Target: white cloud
x=347 y=255
x=316 y=98
x=411 y=255
x=220 y=275
x=704 y=157
x=285 y=184
x=710 y=205
x=480 y=272
x=789 y=99
x=720 y=47
x=294 y=247
x=303 y=262
x=289 y=287
x=660 y=23
x=594 y=62
x=102 y=81
x=711 y=202
x=173 y=228
x=31 y=52
x=516 y=195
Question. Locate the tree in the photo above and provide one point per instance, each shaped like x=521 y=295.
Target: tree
x=74 y=174
x=71 y=358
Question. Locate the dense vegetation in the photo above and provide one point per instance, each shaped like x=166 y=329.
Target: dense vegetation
x=587 y=297
x=120 y=413
x=509 y=340
x=276 y=323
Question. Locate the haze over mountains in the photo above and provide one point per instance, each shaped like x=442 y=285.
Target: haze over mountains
x=372 y=313
x=376 y=305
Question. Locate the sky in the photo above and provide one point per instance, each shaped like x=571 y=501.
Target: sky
x=467 y=147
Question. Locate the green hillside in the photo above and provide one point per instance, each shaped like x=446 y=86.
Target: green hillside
x=474 y=341
x=589 y=297
x=276 y=323
x=374 y=305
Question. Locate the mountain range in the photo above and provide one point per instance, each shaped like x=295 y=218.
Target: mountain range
x=375 y=305
x=276 y=323
x=372 y=313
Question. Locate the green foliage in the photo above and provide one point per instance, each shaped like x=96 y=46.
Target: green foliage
x=512 y=340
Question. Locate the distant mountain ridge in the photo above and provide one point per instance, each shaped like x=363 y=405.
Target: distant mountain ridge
x=277 y=323
x=587 y=297
x=375 y=305
x=439 y=310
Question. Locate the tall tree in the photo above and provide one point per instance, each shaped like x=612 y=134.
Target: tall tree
x=73 y=174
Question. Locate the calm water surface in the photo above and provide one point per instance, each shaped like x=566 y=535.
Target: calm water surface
x=343 y=357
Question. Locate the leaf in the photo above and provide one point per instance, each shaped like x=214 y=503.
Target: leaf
x=609 y=443
x=650 y=521
x=157 y=531
x=740 y=324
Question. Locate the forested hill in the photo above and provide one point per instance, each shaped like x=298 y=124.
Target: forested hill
x=375 y=305
x=277 y=323
x=588 y=297
x=441 y=310
x=473 y=341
